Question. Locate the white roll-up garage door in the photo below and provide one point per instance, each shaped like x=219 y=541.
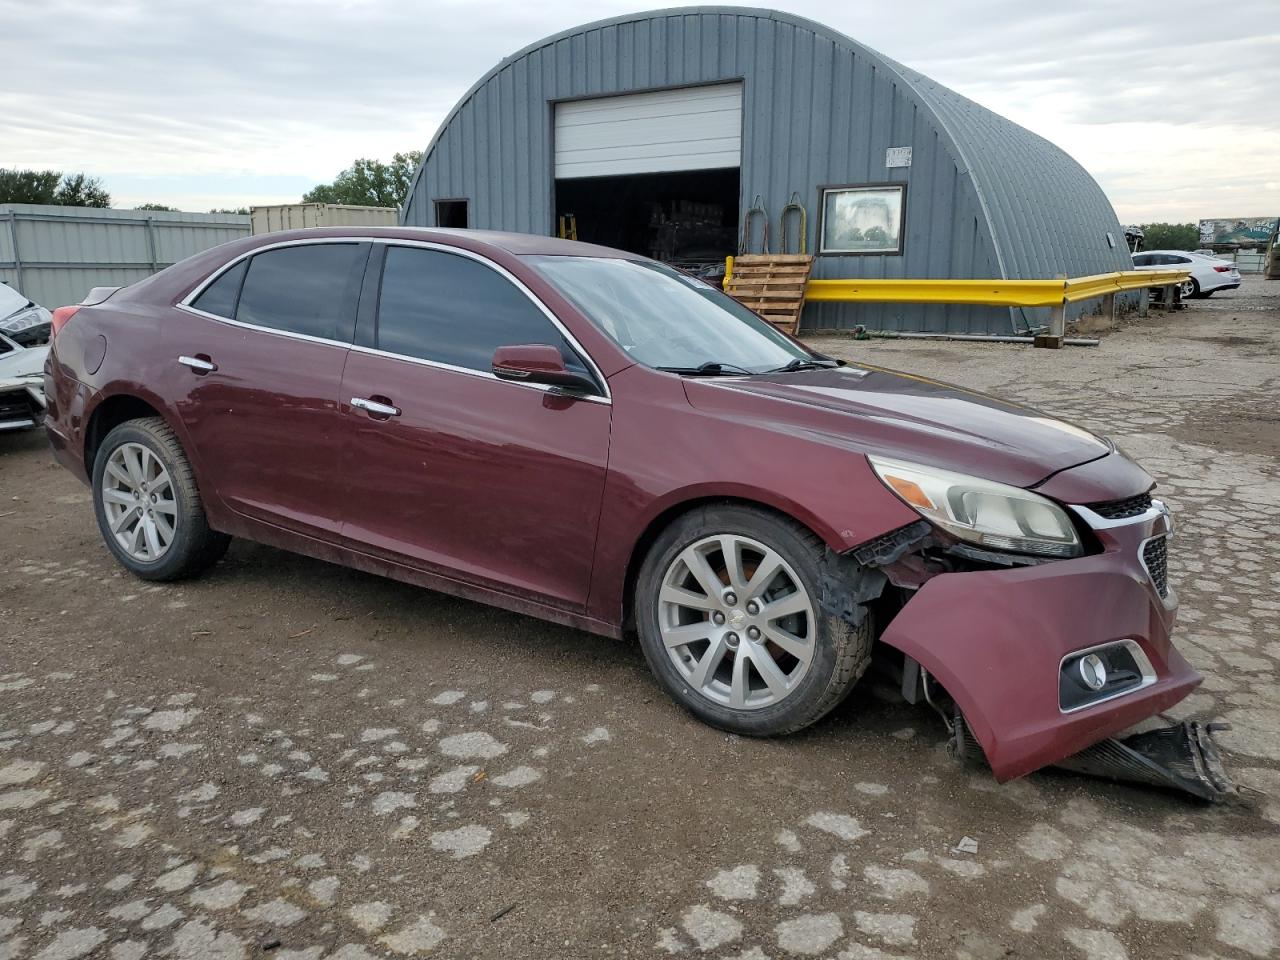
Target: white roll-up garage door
x=691 y=128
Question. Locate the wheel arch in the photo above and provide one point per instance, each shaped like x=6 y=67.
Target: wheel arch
x=672 y=512
x=117 y=405
x=109 y=413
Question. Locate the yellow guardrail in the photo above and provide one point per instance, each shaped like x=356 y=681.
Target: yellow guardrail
x=1055 y=293
x=995 y=293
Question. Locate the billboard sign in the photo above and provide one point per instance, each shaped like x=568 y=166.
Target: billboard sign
x=1244 y=230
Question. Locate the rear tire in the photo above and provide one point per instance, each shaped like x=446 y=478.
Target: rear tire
x=148 y=507
x=1189 y=288
x=782 y=688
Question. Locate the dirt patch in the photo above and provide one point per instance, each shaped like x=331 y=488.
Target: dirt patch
x=1253 y=428
x=1268 y=346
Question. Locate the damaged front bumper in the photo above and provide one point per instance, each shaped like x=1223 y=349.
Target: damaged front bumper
x=1009 y=645
x=22 y=403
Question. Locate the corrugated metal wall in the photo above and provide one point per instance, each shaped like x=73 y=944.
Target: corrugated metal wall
x=1048 y=216
x=819 y=109
x=55 y=255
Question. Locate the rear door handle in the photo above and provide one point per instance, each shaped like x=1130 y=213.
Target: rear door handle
x=375 y=408
x=198 y=364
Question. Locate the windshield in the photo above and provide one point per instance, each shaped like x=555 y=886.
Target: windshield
x=664 y=318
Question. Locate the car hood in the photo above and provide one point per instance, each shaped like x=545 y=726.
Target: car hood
x=907 y=417
x=11 y=301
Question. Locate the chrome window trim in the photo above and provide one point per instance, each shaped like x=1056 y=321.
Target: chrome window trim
x=606 y=397
x=481 y=374
x=253 y=326
x=1140 y=657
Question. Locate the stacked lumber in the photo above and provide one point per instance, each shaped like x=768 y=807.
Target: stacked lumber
x=771 y=284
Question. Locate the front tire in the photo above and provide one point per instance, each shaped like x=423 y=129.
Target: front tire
x=148 y=507
x=728 y=615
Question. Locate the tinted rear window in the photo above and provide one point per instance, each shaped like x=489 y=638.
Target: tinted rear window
x=301 y=290
x=219 y=298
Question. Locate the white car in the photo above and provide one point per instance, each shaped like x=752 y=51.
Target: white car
x=1207 y=273
x=21 y=385
x=21 y=319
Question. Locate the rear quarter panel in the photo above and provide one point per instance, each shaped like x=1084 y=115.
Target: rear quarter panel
x=118 y=349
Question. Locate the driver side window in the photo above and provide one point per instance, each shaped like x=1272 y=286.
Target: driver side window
x=451 y=309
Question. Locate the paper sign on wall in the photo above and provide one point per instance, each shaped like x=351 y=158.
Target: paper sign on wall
x=897 y=157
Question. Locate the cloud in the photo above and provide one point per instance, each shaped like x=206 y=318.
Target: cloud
x=247 y=101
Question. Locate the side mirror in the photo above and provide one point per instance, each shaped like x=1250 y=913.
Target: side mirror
x=539 y=363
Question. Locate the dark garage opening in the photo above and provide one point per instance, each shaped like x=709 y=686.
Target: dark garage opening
x=689 y=219
x=451 y=213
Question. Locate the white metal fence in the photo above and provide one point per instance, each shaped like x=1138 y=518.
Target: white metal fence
x=54 y=255
x=1249 y=261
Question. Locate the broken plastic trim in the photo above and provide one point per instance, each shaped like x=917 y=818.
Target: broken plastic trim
x=845 y=587
x=887 y=548
x=1180 y=757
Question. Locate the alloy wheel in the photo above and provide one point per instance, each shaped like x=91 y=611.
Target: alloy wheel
x=737 y=622
x=139 y=503
x=1187 y=288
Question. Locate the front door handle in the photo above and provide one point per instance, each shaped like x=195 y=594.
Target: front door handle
x=198 y=364
x=375 y=408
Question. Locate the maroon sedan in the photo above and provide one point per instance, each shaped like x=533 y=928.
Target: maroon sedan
x=587 y=436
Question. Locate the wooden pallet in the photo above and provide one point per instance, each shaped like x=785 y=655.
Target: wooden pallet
x=771 y=284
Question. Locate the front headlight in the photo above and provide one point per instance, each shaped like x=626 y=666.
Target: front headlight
x=21 y=321
x=980 y=511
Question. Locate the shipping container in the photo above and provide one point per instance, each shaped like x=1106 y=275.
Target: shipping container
x=56 y=254
x=296 y=216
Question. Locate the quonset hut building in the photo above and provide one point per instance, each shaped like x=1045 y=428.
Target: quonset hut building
x=658 y=132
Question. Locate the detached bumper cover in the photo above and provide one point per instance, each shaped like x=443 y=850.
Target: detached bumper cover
x=1182 y=757
x=995 y=640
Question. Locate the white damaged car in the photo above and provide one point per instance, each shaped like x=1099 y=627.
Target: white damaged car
x=22 y=319
x=21 y=385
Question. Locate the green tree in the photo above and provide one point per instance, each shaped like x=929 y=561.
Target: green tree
x=78 y=190
x=52 y=186
x=370 y=183
x=155 y=206
x=242 y=211
x=1170 y=236
x=29 y=186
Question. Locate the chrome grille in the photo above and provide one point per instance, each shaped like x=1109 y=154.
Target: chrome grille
x=1155 y=557
x=1123 y=509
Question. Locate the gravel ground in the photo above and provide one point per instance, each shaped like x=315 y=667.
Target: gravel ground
x=293 y=760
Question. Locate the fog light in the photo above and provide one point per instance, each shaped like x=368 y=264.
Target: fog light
x=1093 y=672
x=1100 y=673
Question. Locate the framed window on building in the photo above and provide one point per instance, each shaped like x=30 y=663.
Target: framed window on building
x=867 y=218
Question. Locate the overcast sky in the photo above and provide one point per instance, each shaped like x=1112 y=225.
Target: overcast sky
x=1173 y=107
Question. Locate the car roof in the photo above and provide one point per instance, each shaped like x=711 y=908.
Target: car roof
x=518 y=244
x=1178 y=253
